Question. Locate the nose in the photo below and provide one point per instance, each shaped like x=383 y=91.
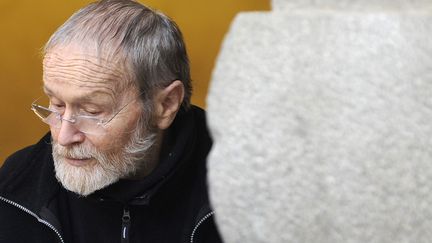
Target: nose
x=68 y=134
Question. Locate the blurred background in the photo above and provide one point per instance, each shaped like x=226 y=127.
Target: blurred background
x=25 y=25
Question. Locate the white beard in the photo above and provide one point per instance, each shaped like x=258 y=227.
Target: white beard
x=109 y=167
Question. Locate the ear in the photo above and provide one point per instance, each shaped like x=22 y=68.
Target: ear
x=167 y=103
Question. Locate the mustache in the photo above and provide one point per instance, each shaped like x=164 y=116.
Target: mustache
x=79 y=151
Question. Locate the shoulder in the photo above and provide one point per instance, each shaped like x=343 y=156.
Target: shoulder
x=18 y=157
x=21 y=161
x=27 y=153
x=16 y=163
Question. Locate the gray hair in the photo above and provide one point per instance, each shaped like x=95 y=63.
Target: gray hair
x=148 y=43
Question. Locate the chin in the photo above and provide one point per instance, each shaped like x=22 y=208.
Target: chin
x=84 y=179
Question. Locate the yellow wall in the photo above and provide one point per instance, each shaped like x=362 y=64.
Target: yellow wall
x=25 y=26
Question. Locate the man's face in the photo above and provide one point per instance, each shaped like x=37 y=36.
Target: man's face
x=79 y=83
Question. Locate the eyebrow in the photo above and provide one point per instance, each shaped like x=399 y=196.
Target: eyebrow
x=86 y=97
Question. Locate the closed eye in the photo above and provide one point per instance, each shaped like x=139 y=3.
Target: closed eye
x=57 y=107
x=92 y=113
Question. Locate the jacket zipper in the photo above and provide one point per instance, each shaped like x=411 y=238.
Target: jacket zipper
x=34 y=215
x=125 y=225
x=207 y=216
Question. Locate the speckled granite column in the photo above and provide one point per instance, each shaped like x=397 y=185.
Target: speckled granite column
x=321 y=113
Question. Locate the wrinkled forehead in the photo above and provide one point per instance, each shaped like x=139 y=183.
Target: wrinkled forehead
x=76 y=66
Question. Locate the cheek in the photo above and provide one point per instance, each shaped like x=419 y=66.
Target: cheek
x=116 y=137
x=54 y=134
x=122 y=129
x=108 y=142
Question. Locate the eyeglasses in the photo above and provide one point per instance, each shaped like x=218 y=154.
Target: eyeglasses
x=85 y=124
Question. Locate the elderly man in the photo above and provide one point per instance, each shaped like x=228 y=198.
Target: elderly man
x=125 y=158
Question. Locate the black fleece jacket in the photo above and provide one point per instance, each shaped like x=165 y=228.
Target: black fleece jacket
x=170 y=205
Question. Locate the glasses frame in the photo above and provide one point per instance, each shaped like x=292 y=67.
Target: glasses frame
x=99 y=122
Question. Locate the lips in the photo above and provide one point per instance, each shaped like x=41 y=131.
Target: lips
x=77 y=161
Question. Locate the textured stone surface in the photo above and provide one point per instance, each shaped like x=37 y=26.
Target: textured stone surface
x=347 y=5
x=322 y=128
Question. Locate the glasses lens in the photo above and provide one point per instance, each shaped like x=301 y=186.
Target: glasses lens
x=89 y=125
x=46 y=115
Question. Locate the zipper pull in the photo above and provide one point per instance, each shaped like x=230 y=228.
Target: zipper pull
x=125 y=225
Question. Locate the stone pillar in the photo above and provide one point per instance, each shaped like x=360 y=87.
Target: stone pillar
x=351 y=5
x=321 y=112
